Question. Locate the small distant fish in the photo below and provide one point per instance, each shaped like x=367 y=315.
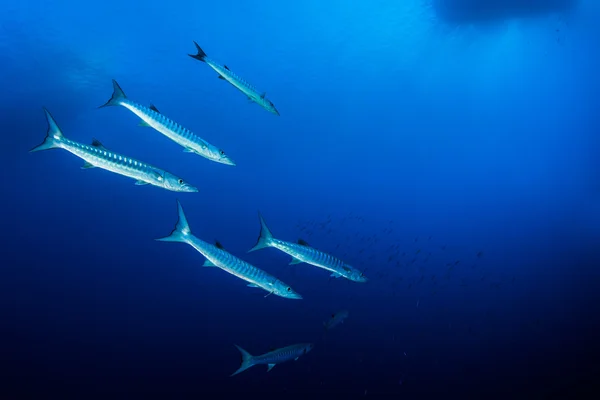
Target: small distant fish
x=274 y=357
x=216 y=256
x=171 y=129
x=240 y=84
x=302 y=252
x=98 y=156
x=335 y=319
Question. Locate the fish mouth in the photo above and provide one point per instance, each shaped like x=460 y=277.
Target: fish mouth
x=275 y=111
x=295 y=296
x=189 y=189
x=227 y=161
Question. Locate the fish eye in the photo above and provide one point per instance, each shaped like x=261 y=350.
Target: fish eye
x=221 y=152
x=180 y=181
x=289 y=289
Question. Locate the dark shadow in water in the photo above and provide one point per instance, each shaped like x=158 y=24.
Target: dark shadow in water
x=482 y=11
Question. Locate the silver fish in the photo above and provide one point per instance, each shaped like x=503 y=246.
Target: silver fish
x=243 y=86
x=216 y=256
x=302 y=252
x=274 y=357
x=96 y=155
x=171 y=129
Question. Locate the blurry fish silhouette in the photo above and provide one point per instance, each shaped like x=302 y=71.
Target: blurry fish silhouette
x=335 y=319
x=274 y=357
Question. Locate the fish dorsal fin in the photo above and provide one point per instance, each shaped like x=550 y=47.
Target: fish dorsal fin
x=96 y=143
x=226 y=67
x=141 y=183
x=219 y=245
x=153 y=108
x=262 y=96
x=302 y=242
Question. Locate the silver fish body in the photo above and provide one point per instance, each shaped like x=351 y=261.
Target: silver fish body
x=96 y=155
x=302 y=252
x=243 y=86
x=274 y=357
x=171 y=129
x=216 y=256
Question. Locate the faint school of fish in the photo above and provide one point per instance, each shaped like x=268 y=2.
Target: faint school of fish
x=98 y=156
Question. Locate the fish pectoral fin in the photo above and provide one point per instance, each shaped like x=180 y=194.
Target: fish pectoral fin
x=188 y=150
x=270 y=367
x=295 y=261
x=144 y=124
x=263 y=94
x=87 y=165
x=336 y=275
x=141 y=183
x=250 y=100
x=208 y=263
x=252 y=285
x=221 y=77
x=296 y=359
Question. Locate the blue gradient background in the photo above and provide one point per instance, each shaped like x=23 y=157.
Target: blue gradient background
x=413 y=134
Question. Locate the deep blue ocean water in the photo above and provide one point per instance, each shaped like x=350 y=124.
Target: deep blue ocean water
x=447 y=148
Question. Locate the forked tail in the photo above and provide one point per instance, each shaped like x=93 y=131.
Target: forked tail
x=53 y=135
x=117 y=97
x=182 y=229
x=265 y=238
x=200 y=55
x=247 y=361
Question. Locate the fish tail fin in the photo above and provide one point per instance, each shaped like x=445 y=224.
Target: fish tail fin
x=247 y=361
x=53 y=135
x=117 y=97
x=200 y=55
x=182 y=229
x=265 y=238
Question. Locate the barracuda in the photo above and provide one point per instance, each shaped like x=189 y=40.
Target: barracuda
x=217 y=256
x=302 y=252
x=96 y=155
x=274 y=357
x=226 y=74
x=171 y=129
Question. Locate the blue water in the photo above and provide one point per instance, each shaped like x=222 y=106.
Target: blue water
x=447 y=148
